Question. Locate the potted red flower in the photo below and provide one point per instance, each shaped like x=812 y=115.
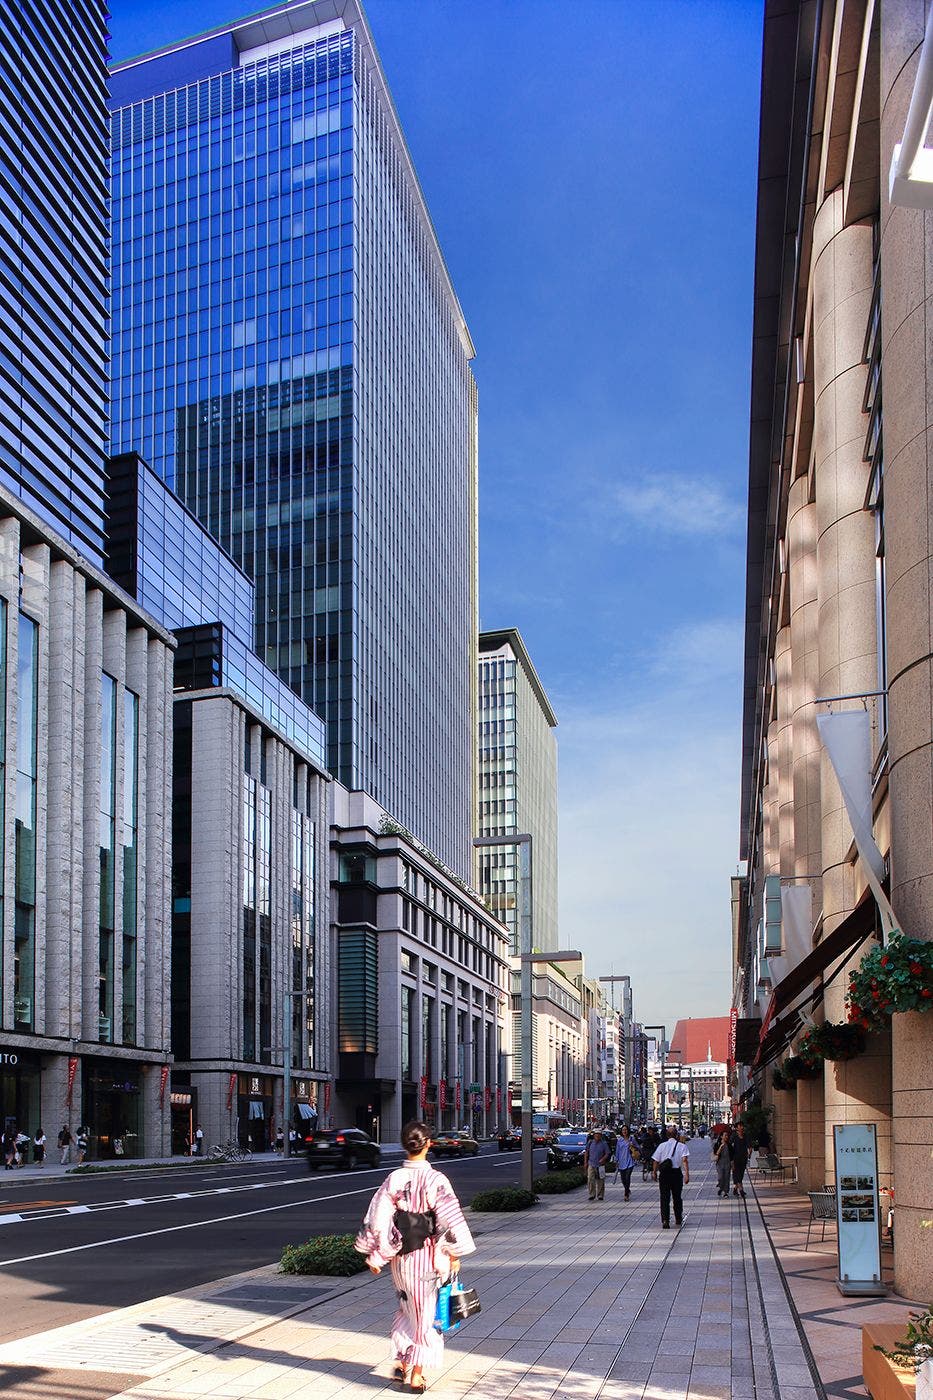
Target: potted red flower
x=831 y=1041
x=892 y=978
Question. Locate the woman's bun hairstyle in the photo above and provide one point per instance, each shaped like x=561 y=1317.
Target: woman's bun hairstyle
x=415 y=1137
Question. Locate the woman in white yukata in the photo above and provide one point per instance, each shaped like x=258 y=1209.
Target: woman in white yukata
x=416 y=1190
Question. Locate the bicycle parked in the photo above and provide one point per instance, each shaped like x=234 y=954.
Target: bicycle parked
x=229 y=1152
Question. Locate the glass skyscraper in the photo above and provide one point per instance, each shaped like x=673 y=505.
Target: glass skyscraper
x=53 y=177
x=290 y=356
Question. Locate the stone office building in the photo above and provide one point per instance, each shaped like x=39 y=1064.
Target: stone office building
x=249 y=835
x=85 y=787
x=421 y=985
x=839 y=592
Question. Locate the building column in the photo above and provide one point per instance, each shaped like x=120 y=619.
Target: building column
x=907 y=314
x=858 y=1091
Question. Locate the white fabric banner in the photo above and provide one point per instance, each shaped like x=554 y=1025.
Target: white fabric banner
x=797 y=921
x=846 y=736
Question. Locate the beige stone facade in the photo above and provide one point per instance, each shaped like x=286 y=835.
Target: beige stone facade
x=840 y=565
x=86 y=753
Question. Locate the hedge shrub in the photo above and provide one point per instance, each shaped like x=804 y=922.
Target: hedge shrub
x=503 y=1198
x=556 y=1183
x=327 y=1254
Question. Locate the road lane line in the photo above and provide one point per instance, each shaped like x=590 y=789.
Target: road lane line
x=173 y=1229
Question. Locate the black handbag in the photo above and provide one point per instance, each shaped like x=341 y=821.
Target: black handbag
x=415 y=1227
x=464 y=1303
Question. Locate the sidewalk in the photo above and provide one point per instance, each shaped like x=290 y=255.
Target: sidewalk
x=580 y=1300
x=832 y=1323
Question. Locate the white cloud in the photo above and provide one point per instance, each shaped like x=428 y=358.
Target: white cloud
x=675 y=503
x=649 y=838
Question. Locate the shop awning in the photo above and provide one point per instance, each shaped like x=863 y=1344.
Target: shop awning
x=306 y=1111
x=256 y=1109
x=795 y=995
x=747 y=1039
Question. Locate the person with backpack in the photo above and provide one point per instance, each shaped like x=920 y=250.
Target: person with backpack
x=415 y=1225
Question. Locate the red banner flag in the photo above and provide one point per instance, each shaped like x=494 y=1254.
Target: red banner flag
x=442 y=1095
x=457 y=1096
x=487 y=1098
x=327 y=1098
x=423 y=1092
x=498 y=1099
x=72 y=1071
x=231 y=1087
x=163 y=1080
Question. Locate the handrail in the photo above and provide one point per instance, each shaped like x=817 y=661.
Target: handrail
x=911 y=177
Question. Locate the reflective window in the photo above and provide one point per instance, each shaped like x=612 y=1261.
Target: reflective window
x=108 y=841
x=27 y=724
x=130 y=860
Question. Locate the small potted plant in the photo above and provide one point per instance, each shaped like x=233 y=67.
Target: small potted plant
x=797 y=1067
x=780 y=1080
x=832 y=1041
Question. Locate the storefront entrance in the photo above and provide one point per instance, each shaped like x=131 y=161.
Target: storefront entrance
x=112 y=1115
x=20 y=1102
x=183 y=1122
x=255 y=1112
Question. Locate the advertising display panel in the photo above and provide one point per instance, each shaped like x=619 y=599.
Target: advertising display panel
x=858 y=1216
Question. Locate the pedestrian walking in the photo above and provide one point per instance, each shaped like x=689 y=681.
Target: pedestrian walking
x=81 y=1142
x=280 y=1141
x=597 y=1155
x=22 y=1148
x=723 y=1159
x=671 y=1168
x=199 y=1141
x=415 y=1224
x=38 y=1148
x=64 y=1144
x=738 y=1152
x=8 y=1149
x=627 y=1155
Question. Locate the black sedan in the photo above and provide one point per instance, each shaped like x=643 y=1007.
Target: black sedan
x=567 y=1150
x=341 y=1147
x=510 y=1140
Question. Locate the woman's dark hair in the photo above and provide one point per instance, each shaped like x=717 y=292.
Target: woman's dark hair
x=415 y=1137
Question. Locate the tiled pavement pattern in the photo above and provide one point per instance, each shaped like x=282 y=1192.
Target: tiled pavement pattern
x=584 y=1300
x=832 y=1323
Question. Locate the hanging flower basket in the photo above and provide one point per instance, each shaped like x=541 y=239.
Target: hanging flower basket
x=780 y=1079
x=896 y=977
x=796 y=1067
x=831 y=1041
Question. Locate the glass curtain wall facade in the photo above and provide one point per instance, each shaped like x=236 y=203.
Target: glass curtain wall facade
x=289 y=356
x=27 y=727
x=53 y=138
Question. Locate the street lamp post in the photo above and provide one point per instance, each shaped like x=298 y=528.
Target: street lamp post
x=661 y=1044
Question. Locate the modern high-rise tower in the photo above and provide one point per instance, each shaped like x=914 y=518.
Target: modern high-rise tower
x=290 y=356
x=517 y=750
x=53 y=368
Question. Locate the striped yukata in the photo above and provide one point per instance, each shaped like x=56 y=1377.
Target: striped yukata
x=415 y=1186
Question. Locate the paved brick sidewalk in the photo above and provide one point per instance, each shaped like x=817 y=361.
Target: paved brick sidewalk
x=585 y=1300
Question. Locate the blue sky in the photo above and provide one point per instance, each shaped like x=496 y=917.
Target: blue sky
x=591 y=171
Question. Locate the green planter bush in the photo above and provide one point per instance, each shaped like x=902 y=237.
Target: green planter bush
x=896 y=977
x=504 y=1198
x=781 y=1080
x=327 y=1254
x=556 y=1183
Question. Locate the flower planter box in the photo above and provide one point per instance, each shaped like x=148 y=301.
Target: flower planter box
x=884 y=1379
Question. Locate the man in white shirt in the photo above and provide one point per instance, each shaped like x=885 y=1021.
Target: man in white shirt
x=670 y=1166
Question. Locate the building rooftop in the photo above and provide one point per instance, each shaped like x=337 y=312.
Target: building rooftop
x=511 y=637
x=700 y=1038
x=259 y=37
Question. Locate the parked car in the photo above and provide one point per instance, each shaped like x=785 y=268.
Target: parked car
x=457 y=1143
x=510 y=1140
x=341 y=1147
x=567 y=1150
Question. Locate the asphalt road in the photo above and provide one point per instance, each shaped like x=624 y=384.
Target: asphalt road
x=74 y=1247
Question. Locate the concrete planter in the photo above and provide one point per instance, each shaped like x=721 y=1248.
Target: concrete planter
x=925 y=1381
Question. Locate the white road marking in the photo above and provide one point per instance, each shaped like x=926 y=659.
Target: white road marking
x=56 y=1213
x=172 y=1229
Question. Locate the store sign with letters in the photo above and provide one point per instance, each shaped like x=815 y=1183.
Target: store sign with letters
x=857 y=1209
